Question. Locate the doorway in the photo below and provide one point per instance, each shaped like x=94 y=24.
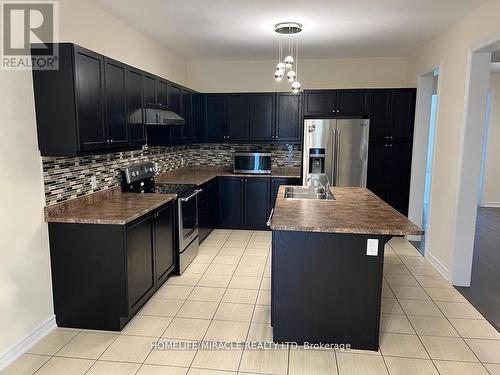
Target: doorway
x=423 y=154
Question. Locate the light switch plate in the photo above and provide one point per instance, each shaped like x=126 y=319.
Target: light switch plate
x=372 y=247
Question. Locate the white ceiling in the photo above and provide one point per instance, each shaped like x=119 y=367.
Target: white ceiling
x=243 y=29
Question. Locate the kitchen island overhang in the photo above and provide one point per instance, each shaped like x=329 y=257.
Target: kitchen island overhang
x=327 y=267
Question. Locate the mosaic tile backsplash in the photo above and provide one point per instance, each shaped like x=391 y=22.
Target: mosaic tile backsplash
x=69 y=178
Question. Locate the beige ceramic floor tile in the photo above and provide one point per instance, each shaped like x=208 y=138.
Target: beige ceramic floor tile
x=432 y=326
x=204 y=258
x=395 y=324
x=147 y=325
x=360 y=364
x=187 y=329
x=247 y=260
x=266 y=283
x=202 y=371
x=247 y=296
x=386 y=290
x=254 y=271
x=401 y=280
x=265 y=361
x=460 y=368
x=221 y=269
x=198 y=268
x=432 y=282
x=180 y=292
x=161 y=307
x=391 y=306
x=215 y=281
x=26 y=364
x=240 y=236
x=492 y=368
x=260 y=332
x=129 y=349
x=262 y=314
x=235 y=243
x=488 y=351
x=304 y=362
x=228 y=360
x=197 y=310
x=459 y=310
x=234 y=311
x=206 y=294
x=448 y=349
x=410 y=366
x=53 y=342
x=162 y=370
x=208 y=250
x=475 y=329
x=445 y=295
x=421 y=308
x=264 y=297
x=410 y=292
x=113 y=368
x=395 y=269
x=185 y=279
x=66 y=366
x=226 y=259
x=232 y=251
x=87 y=345
x=227 y=331
x=245 y=282
x=399 y=345
x=423 y=270
x=181 y=356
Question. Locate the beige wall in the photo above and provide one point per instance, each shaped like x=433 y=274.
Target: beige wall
x=233 y=76
x=451 y=48
x=491 y=184
x=25 y=283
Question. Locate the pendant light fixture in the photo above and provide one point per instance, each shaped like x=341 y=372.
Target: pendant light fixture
x=288 y=66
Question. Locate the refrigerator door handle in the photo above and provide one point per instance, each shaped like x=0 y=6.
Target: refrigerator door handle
x=334 y=158
x=337 y=158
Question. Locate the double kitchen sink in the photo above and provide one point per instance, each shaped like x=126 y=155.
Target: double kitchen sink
x=304 y=192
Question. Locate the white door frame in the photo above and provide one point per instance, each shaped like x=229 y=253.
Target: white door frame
x=425 y=85
x=464 y=228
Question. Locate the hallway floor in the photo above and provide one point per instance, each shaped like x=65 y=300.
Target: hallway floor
x=427 y=327
x=484 y=292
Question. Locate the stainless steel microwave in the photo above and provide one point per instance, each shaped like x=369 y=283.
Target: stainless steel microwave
x=252 y=162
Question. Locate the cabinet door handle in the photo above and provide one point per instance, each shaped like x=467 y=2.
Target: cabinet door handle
x=270 y=217
x=111 y=141
x=390 y=145
x=386 y=145
x=386 y=137
x=338 y=110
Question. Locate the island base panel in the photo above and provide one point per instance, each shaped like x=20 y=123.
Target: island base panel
x=326 y=289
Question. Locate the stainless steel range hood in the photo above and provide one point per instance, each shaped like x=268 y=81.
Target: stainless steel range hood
x=157 y=115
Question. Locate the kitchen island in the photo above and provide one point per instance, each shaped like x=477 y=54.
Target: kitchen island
x=327 y=267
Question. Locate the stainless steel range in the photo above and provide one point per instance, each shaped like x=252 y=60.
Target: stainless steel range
x=140 y=179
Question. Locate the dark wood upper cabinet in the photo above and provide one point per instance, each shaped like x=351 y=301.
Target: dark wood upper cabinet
x=333 y=103
x=237 y=117
x=116 y=103
x=380 y=114
x=174 y=98
x=288 y=126
x=161 y=93
x=187 y=114
x=352 y=102
x=215 y=117
x=402 y=114
x=261 y=116
x=149 y=90
x=320 y=102
x=89 y=88
x=135 y=111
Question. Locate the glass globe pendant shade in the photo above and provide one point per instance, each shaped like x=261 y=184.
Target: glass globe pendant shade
x=281 y=66
x=296 y=86
x=278 y=74
x=289 y=61
x=291 y=75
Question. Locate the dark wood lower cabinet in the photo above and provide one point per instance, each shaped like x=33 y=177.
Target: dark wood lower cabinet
x=103 y=274
x=257 y=202
x=231 y=198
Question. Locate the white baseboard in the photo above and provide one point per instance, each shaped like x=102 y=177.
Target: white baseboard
x=491 y=204
x=437 y=265
x=24 y=344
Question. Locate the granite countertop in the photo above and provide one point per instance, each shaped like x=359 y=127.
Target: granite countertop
x=198 y=176
x=112 y=207
x=355 y=211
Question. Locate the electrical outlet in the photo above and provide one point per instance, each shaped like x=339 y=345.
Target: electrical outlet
x=372 y=247
x=93 y=182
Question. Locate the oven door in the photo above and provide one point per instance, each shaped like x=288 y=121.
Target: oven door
x=188 y=219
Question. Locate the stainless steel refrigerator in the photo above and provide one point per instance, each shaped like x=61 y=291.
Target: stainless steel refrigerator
x=337 y=148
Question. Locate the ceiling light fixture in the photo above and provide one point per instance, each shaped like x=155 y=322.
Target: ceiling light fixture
x=288 y=30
